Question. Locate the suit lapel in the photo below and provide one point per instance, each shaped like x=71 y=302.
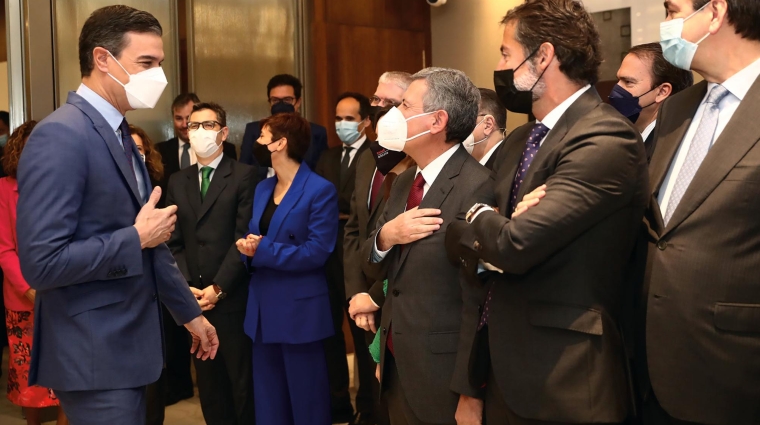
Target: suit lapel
x=193 y=188
x=217 y=185
x=352 y=167
x=365 y=172
x=739 y=136
x=289 y=200
x=173 y=154
x=111 y=140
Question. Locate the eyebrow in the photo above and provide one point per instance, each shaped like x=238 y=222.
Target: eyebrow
x=148 y=57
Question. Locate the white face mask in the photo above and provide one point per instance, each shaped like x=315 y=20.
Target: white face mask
x=144 y=88
x=469 y=142
x=203 y=142
x=679 y=52
x=391 y=129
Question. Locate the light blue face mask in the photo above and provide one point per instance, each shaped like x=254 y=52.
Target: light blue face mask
x=3 y=140
x=348 y=131
x=677 y=51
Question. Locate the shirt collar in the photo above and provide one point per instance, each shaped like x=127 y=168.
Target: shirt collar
x=182 y=143
x=488 y=154
x=112 y=116
x=357 y=144
x=214 y=164
x=551 y=119
x=740 y=83
x=647 y=131
x=430 y=173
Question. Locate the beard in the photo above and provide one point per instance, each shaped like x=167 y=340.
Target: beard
x=529 y=81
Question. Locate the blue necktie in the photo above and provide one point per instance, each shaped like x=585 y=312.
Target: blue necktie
x=129 y=145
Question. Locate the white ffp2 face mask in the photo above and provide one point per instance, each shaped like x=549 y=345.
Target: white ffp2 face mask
x=203 y=142
x=469 y=143
x=144 y=88
x=392 y=128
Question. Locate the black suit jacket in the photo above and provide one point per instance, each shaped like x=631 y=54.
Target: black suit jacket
x=329 y=168
x=650 y=143
x=492 y=160
x=701 y=291
x=203 y=242
x=557 y=311
x=424 y=291
x=169 y=151
x=253 y=131
x=361 y=222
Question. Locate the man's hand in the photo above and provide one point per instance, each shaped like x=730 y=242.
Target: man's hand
x=209 y=294
x=469 y=411
x=204 y=303
x=30 y=294
x=248 y=245
x=377 y=372
x=205 y=341
x=529 y=201
x=155 y=225
x=409 y=227
x=366 y=321
x=361 y=303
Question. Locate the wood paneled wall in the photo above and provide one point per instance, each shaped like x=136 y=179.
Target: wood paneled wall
x=354 y=42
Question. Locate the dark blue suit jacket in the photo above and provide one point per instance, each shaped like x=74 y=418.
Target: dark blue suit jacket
x=253 y=131
x=97 y=318
x=288 y=289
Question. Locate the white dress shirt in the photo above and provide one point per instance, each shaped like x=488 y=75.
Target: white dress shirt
x=214 y=164
x=488 y=154
x=647 y=131
x=429 y=173
x=354 y=148
x=190 y=151
x=738 y=86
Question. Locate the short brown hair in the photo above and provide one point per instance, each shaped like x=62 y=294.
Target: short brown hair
x=661 y=70
x=743 y=15
x=15 y=145
x=183 y=99
x=294 y=128
x=152 y=156
x=221 y=114
x=567 y=26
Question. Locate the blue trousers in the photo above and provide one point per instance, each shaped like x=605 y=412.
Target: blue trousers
x=112 y=407
x=290 y=384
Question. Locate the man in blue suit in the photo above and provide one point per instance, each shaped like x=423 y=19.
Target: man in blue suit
x=284 y=95
x=91 y=241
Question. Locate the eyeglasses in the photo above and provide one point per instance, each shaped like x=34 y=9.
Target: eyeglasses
x=207 y=125
x=289 y=99
x=379 y=101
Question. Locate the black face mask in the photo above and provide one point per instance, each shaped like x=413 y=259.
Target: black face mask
x=262 y=154
x=282 y=108
x=515 y=100
x=385 y=159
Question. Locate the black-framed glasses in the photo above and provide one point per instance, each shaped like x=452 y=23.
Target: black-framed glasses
x=207 y=125
x=288 y=99
x=379 y=101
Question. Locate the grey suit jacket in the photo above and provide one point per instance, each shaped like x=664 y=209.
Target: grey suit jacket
x=701 y=286
x=556 y=313
x=361 y=222
x=424 y=294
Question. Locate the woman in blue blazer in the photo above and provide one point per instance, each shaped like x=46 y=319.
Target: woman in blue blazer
x=291 y=235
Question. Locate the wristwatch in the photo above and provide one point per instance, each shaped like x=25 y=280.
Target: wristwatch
x=220 y=295
x=474 y=210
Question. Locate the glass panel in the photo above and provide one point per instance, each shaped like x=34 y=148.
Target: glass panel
x=69 y=18
x=236 y=47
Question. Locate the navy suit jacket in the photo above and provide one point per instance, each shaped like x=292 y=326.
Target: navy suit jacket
x=97 y=318
x=288 y=296
x=253 y=131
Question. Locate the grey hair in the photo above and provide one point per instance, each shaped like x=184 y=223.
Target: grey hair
x=452 y=91
x=397 y=78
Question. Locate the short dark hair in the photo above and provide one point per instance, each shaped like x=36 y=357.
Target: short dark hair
x=107 y=27
x=743 y=15
x=663 y=71
x=364 y=104
x=293 y=127
x=221 y=114
x=491 y=105
x=285 y=80
x=5 y=117
x=567 y=26
x=183 y=99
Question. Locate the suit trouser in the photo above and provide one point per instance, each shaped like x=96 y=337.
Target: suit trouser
x=155 y=396
x=225 y=386
x=290 y=383
x=497 y=412
x=179 y=380
x=399 y=411
x=652 y=413
x=112 y=407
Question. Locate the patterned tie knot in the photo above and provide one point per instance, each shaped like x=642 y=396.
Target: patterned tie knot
x=186 y=147
x=419 y=182
x=717 y=94
x=537 y=133
x=206 y=172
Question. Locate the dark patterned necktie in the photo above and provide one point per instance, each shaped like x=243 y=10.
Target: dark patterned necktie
x=537 y=134
x=128 y=144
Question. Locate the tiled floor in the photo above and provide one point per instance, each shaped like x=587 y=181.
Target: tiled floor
x=187 y=412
